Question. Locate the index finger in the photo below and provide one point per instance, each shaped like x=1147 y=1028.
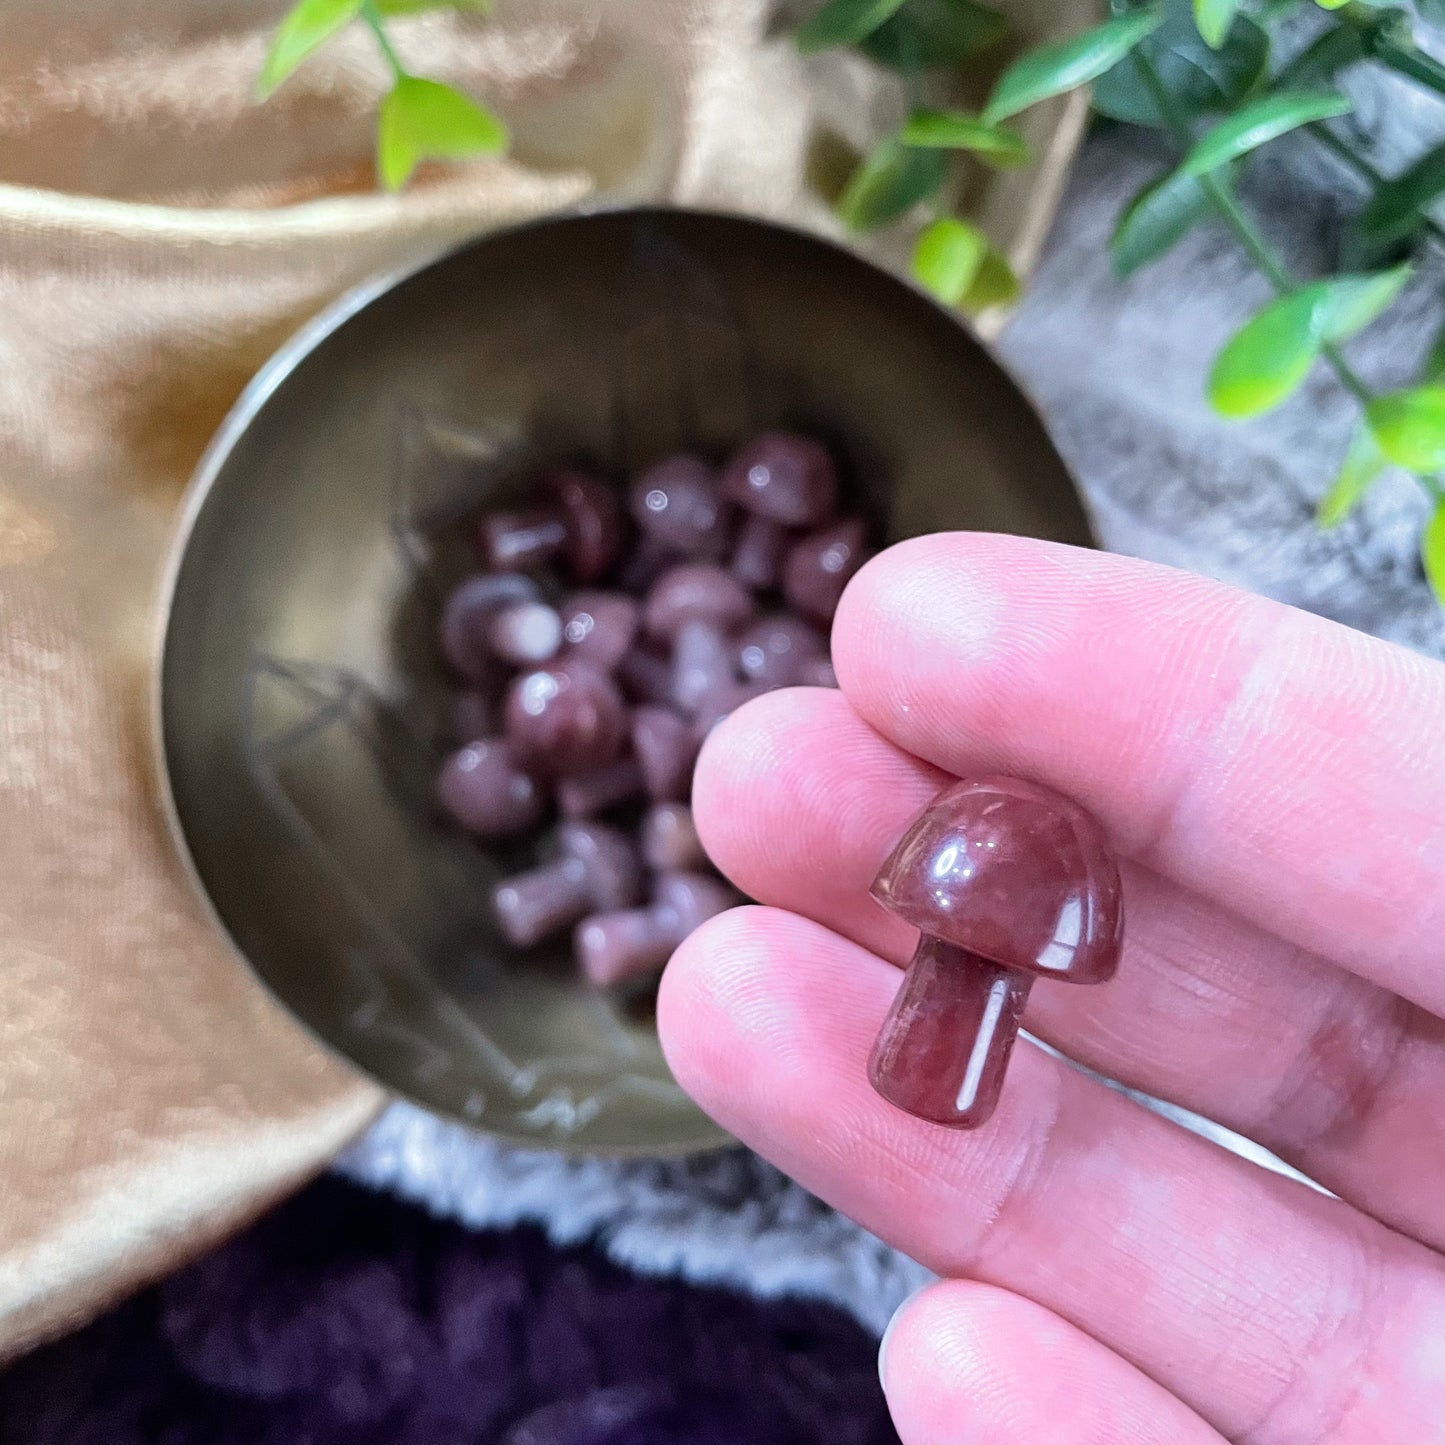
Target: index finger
x=1289 y=767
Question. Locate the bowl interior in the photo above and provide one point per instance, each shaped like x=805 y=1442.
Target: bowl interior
x=300 y=684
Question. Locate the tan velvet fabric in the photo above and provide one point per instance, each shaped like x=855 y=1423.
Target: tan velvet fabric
x=159 y=235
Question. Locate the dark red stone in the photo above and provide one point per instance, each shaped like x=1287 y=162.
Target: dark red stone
x=1007 y=882
x=583 y=795
x=467 y=617
x=646 y=676
x=696 y=606
x=594 y=867
x=482 y=787
x=620 y=945
x=581 y=522
x=787 y=478
x=819 y=567
x=943 y=1050
x=757 y=560
x=666 y=749
x=678 y=505
x=600 y=627
x=1014 y=872
x=568 y=718
x=594 y=523
x=777 y=649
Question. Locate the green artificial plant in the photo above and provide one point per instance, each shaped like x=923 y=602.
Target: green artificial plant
x=1206 y=75
x=419 y=119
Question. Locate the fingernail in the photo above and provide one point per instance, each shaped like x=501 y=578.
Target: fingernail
x=888 y=1333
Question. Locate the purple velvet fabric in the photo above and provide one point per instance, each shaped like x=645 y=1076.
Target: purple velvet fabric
x=347 y=1318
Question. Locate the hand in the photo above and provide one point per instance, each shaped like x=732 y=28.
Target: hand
x=1277 y=785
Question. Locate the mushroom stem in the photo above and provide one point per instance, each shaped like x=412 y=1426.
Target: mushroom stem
x=700 y=660
x=944 y=1048
x=531 y=906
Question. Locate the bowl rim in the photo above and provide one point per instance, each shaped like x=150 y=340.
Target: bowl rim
x=254 y=396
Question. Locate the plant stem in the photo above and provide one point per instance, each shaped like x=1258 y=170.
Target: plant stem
x=1321 y=133
x=1407 y=60
x=1234 y=217
x=373 y=21
x=1324 y=58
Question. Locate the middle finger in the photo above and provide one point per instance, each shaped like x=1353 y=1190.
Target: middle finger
x=799 y=801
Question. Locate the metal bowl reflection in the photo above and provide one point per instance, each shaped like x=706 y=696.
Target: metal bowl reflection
x=299 y=681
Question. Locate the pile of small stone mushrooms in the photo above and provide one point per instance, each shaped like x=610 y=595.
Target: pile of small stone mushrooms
x=606 y=634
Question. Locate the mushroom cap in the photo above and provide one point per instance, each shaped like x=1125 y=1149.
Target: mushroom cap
x=600 y=626
x=610 y=858
x=566 y=718
x=1014 y=873
x=819 y=567
x=696 y=592
x=679 y=504
x=789 y=479
x=467 y=615
x=692 y=898
x=594 y=521
x=775 y=650
x=482 y=787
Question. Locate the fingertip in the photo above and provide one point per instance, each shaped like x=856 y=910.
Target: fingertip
x=752 y=1010
x=901 y=588
x=715 y=1004
x=776 y=771
x=741 y=755
x=961 y=1357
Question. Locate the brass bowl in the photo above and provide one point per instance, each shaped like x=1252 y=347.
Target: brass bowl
x=299 y=684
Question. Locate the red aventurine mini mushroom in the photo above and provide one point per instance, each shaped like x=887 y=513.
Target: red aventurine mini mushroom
x=1007 y=882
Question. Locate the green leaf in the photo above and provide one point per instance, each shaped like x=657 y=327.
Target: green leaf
x=1155 y=219
x=1265 y=360
x=308 y=24
x=1363 y=463
x=1410 y=427
x=426 y=120
x=391 y=8
x=1271 y=354
x=889 y=183
x=1332 y=4
x=1339 y=47
x=953 y=130
x=1257 y=123
x=947 y=258
x=842 y=22
x=1054 y=69
x=927 y=33
x=1396 y=208
x=995 y=284
x=1214 y=17
x=1432 y=552
x=1347 y=304
x=1199 y=81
